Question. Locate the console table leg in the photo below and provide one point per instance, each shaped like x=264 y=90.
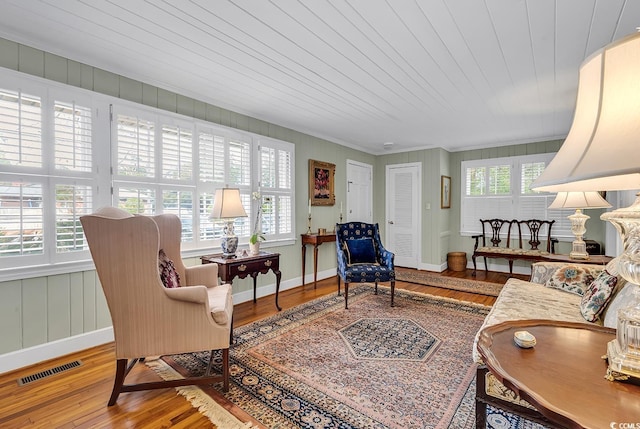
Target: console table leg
x=278 y=275
x=255 y=276
x=304 y=257
x=315 y=265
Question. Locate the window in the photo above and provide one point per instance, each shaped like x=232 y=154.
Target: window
x=47 y=179
x=65 y=151
x=500 y=188
x=159 y=172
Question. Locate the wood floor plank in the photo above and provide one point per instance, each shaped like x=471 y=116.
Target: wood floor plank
x=78 y=398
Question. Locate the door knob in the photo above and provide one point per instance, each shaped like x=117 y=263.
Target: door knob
x=390 y=222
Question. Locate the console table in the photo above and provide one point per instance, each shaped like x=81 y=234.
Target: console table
x=315 y=240
x=593 y=259
x=243 y=266
x=563 y=375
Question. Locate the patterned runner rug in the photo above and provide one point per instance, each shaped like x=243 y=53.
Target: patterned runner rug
x=434 y=279
x=320 y=366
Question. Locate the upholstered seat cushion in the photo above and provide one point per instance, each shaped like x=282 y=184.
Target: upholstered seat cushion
x=220 y=303
x=510 y=251
x=524 y=300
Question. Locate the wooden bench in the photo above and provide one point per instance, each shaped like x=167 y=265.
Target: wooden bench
x=514 y=247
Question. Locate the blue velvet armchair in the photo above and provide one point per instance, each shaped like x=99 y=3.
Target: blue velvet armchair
x=362 y=258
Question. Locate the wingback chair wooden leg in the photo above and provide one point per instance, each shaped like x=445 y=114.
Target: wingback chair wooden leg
x=121 y=373
x=339 y=280
x=225 y=370
x=346 y=295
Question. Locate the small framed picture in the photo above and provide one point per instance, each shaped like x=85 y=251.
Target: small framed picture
x=321 y=183
x=445 y=192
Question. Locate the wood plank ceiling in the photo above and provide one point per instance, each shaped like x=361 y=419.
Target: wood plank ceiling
x=456 y=74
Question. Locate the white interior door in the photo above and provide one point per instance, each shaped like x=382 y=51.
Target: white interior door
x=403 y=191
x=359 y=192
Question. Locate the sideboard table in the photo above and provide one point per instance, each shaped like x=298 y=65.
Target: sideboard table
x=243 y=266
x=563 y=375
x=315 y=240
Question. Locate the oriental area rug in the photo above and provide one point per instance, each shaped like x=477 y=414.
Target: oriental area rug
x=436 y=279
x=318 y=365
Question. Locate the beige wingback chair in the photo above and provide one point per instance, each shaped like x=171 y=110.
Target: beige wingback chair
x=149 y=319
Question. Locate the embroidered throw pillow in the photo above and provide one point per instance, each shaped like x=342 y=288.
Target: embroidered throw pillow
x=572 y=278
x=168 y=274
x=360 y=251
x=597 y=296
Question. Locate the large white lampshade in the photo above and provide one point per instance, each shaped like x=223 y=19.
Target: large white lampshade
x=601 y=152
x=228 y=206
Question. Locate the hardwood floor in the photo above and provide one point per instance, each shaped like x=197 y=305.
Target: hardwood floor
x=77 y=398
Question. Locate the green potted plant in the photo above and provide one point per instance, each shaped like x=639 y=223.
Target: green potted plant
x=256 y=236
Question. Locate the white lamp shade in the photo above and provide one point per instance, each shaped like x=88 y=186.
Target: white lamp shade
x=601 y=149
x=227 y=204
x=579 y=200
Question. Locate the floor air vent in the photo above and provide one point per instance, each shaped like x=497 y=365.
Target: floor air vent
x=48 y=372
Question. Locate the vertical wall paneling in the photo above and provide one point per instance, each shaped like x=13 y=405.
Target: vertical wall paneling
x=76 y=303
x=58 y=307
x=105 y=82
x=10 y=316
x=89 y=286
x=103 y=317
x=130 y=90
x=8 y=54
x=167 y=100
x=34 y=311
x=55 y=68
x=31 y=61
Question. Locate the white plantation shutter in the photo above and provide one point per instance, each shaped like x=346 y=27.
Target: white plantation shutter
x=276 y=184
x=239 y=173
x=177 y=153
x=211 y=157
x=500 y=188
x=136 y=200
x=135 y=146
x=20 y=129
x=21 y=219
x=73 y=137
x=72 y=201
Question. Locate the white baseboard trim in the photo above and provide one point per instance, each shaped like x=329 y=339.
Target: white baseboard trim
x=54 y=349
x=42 y=352
x=433 y=267
x=499 y=268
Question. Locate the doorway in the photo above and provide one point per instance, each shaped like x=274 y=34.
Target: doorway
x=359 y=192
x=403 y=202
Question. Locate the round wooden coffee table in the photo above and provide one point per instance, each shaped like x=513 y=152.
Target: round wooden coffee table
x=563 y=375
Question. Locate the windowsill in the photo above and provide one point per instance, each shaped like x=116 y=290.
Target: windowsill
x=35 y=271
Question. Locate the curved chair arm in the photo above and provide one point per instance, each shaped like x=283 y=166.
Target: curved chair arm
x=206 y=274
x=195 y=294
x=386 y=258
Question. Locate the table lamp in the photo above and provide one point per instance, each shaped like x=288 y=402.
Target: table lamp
x=579 y=201
x=601 y=152
x=227 y=206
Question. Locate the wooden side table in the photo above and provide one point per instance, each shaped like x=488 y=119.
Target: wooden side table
x=315 y=240
x=563 y=375
x=244 y=266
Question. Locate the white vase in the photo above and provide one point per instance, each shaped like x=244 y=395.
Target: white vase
x=254 y=249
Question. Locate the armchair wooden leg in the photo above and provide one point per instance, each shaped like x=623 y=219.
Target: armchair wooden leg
x=346 y=295
x=393 y=291
x=225 y=370
x=339 y=279
x=122 y=369
x=375 y=290
x=121 y=373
